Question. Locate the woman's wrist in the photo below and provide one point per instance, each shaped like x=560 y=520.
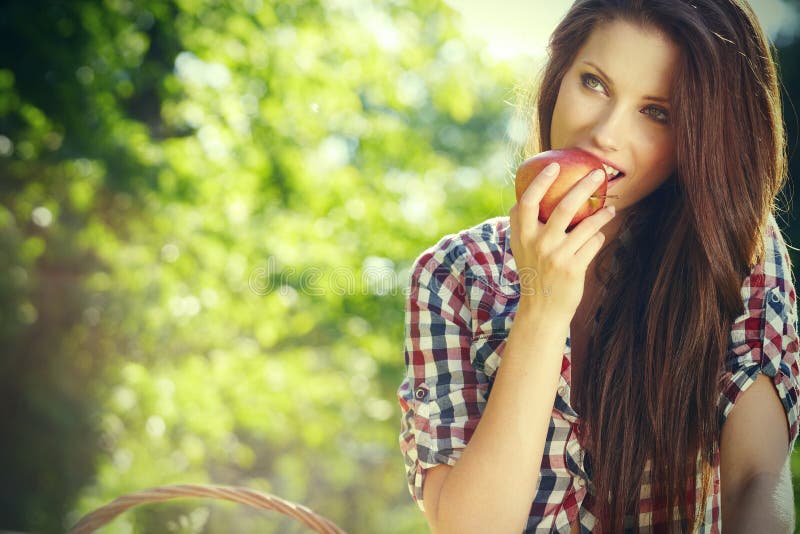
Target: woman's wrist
x=537 y=310
x=537 y=330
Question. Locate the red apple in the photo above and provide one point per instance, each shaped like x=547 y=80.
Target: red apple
x=575 y=164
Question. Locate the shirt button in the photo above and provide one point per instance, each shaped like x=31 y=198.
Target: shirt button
x=420 y=394
x=774 y=298
x=581 y=483
x=562 y=390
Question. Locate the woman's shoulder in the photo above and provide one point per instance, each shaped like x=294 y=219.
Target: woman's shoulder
x=776 y=257
x=772 y=263
x=480 y=251
x=768 y=290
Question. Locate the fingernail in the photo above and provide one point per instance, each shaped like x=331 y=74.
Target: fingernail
x=597 y=176
x=551 y=169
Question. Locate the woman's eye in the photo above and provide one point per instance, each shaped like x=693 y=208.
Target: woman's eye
x=592 y=82
x=657 y=114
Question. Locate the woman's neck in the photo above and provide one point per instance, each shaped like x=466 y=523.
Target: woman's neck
x=612 y=229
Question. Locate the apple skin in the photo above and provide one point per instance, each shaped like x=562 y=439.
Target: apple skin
x=575 y=164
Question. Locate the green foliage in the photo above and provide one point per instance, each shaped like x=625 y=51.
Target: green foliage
x=208 y=219
x=207 y=215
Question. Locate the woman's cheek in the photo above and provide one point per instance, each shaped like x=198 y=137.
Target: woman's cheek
x=658 y=149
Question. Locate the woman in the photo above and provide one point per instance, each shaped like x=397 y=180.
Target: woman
x=673 y=406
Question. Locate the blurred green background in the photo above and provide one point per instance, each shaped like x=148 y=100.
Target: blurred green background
x=208 y=211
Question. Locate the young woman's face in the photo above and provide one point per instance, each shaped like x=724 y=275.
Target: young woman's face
x=614 y=103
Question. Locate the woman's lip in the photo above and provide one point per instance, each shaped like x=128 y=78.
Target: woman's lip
x=611 y=164
x=613 y=182
x=604 y=160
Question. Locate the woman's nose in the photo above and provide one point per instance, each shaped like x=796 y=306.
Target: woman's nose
x=607 y=133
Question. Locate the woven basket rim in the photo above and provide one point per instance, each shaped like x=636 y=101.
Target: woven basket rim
x=239 y=494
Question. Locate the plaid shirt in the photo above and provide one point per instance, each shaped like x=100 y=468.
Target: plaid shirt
x=461 y=304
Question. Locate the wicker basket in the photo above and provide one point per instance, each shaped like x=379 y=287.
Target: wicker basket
x=96 y=519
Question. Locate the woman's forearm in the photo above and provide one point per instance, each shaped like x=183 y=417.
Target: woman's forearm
x=491 y=487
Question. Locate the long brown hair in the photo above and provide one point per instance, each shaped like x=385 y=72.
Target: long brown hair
x=651 y=379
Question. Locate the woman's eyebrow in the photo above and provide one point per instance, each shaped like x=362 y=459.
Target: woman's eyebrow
x=611 y=82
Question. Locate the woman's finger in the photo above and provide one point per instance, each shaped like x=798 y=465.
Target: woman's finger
x=589 y=250
x=513 y=220
x=586 y=229
x=566 y=209
x=536 y=190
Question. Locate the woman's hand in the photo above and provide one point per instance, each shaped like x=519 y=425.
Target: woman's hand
x=552 y=263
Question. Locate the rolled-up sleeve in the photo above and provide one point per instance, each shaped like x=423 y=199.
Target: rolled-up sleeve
x=764 y=338
x=440 y=397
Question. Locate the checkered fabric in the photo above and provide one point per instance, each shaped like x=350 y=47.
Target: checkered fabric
x=462 y=298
